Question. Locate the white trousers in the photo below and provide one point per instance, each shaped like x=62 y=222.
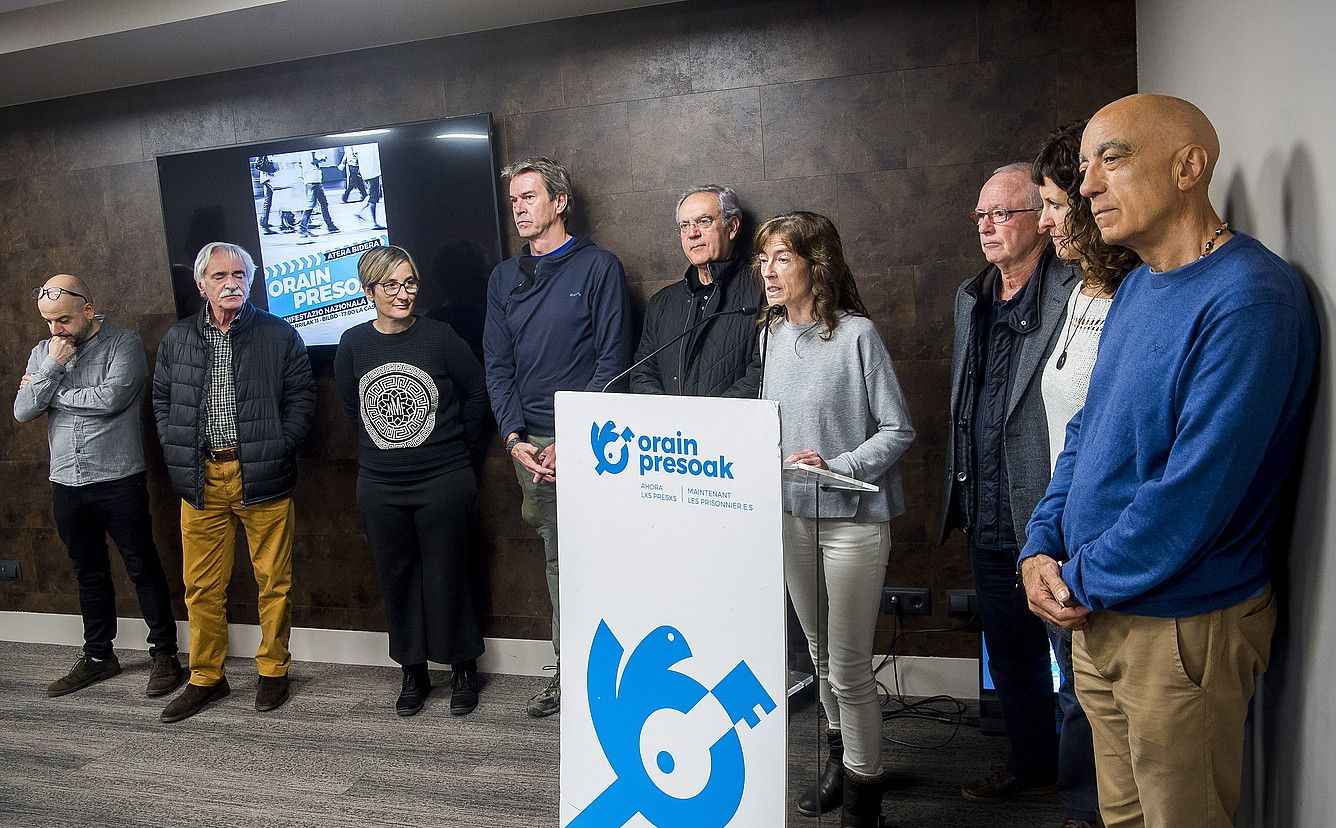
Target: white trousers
x=836 y=592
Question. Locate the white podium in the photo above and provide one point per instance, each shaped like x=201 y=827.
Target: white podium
x=672 y=612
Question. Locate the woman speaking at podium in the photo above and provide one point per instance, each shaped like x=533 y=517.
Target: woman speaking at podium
x=841 y=409
x=415 y=398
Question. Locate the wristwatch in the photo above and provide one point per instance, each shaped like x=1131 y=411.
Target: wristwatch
x=512 y=442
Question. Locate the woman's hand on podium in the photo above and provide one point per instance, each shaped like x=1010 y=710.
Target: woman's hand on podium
x=808 y=458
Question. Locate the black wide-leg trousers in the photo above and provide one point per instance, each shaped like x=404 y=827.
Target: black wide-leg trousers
x=419 y=534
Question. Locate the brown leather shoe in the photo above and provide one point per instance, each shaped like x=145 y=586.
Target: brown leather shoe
x=193 y=699
x=270 y=692
x=164 y=676
x=86 y=670
x=999 y=785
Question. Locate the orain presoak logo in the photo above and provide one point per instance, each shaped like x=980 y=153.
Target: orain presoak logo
x=655 y=454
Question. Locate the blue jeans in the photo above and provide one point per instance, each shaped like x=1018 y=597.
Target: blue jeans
x=1076 y=751
x=1018 y=660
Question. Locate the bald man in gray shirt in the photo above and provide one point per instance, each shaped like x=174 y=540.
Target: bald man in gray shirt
x=88 y=378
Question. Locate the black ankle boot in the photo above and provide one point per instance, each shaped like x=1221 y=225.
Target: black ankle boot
x=862 y=802
x=827 y=792
x=464 y=683
x=417 y=685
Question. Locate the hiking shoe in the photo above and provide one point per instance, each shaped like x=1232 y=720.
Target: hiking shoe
x=548 y=700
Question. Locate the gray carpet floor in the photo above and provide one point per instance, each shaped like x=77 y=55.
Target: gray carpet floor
x=336 y=755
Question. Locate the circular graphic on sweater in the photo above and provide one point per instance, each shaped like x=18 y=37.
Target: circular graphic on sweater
x=398 y=405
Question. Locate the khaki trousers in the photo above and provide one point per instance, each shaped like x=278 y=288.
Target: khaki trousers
x=538 y=507
x=208 y=546
x=1167 y=699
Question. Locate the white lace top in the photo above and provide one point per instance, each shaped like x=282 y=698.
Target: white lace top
x=1064 y=388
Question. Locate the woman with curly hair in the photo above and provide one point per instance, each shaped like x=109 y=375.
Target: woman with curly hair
x=1066 y=217
x=841 y=409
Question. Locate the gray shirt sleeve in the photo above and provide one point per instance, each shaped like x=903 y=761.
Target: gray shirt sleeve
x=888 y=413
x=115 y=390
x=34 y=398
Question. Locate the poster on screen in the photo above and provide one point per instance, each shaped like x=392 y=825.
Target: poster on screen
x=317 y=211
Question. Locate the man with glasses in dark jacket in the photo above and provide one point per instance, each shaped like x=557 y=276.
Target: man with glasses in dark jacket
x=1007 y=320
x=233 y=398
x=713 y=359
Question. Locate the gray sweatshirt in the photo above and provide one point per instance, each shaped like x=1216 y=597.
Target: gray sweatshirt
x=841 y=399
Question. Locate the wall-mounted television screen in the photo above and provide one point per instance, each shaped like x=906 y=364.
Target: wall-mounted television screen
x=307 y=208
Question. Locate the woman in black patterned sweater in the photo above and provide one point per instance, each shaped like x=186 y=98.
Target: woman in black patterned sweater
x=415 y=397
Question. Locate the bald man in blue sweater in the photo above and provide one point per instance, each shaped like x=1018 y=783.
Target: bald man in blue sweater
x=1151 y=541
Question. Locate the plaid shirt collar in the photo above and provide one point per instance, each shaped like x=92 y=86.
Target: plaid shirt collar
x=241 y=315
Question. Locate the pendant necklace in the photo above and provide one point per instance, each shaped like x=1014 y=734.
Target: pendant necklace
x=1075 y=326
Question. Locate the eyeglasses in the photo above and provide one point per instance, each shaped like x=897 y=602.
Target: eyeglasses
x=998 y=216
x=392 y=288
x=54 y=293
x=704 y=223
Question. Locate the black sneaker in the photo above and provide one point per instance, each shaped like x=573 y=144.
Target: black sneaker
x=464 y=685
x=548 y=700
x=164 y=676
x=416 y=688
x=1000 y=785
x=86 y=670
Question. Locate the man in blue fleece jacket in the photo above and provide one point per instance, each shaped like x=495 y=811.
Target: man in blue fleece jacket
x=1162 y=500
x=558 y=319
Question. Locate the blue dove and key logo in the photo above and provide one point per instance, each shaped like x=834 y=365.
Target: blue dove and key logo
x=620 y=708
x=608 y=456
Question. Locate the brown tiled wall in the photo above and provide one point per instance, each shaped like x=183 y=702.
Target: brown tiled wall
x=886 y=116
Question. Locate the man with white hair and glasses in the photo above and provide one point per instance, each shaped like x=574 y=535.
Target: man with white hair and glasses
x=712 y=359
x=233 y=398
x=1007 y=320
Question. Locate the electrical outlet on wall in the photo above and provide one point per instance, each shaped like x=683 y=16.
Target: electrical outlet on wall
x=906 y=601
x=961 y=602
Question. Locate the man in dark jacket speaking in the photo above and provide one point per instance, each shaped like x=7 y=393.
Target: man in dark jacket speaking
x=233 y=397
x=558 y=319
x=712 y=360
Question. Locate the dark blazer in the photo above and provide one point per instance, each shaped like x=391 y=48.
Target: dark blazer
x=275 y=403
x=1025 y=435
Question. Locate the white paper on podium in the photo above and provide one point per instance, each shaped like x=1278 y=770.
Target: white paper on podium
x=672 y=587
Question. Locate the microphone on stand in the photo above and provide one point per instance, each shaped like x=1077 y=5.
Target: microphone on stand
x=771 y=312
x=751 y=310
